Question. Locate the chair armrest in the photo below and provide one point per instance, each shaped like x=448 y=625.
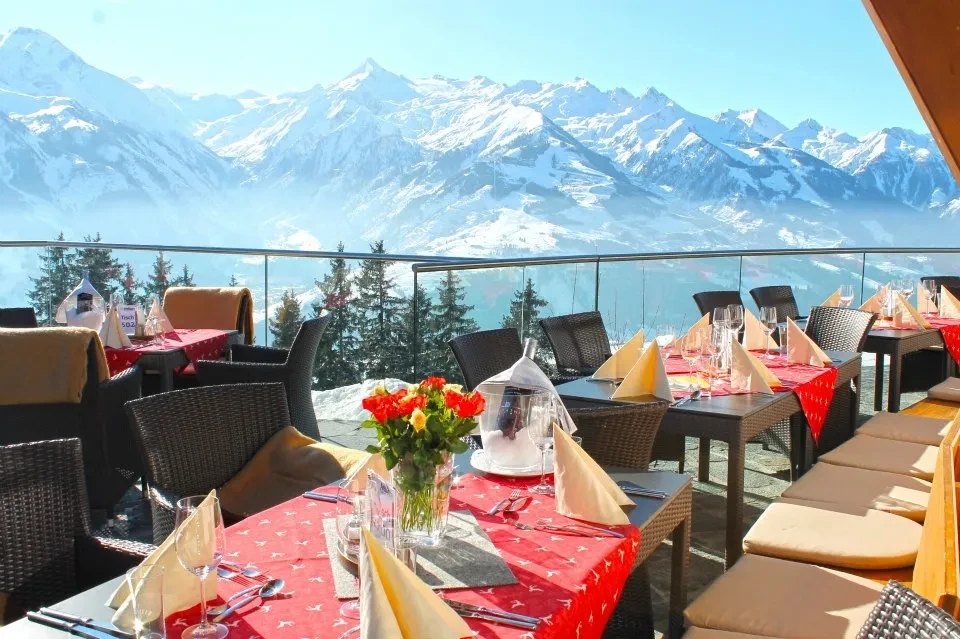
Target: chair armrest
x=163 y=508
x=121 y=388
x=121 y=447
x=100 y=559
x=210 y=373
x=258 y=354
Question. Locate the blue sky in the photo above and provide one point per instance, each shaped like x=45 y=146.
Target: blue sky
x=815 y=58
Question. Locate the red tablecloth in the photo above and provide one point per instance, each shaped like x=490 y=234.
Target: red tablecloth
x=572 y=582
x=196 y=343
x=949 y=330
x=813 y=386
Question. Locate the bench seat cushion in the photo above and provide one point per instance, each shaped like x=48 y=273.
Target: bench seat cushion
x=906 y=428
x=887 y=455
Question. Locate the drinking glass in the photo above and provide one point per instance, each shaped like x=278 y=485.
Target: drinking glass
x=540 y=432
x=200 y=543
x=768 y=322
x=146 y=593
x=931 y=287
x=691 y=348
x=350 y=501
x=666 y=338
x=906 y=288
x=735 y=317
x=721 y=316
x=783 y=341
x=116 y=300
x=846 y=295
x=709 y=372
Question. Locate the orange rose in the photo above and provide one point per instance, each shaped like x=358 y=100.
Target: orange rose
x=471 y=405
x=433 y=383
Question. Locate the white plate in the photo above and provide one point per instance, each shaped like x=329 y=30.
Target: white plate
x=482 y=462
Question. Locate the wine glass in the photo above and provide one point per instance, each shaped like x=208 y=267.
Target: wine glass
x=691 y=348
x=768 y=322
x=931 y=288
x=735 y=317
x=709 y=371
x=666 y=338
x=846 y=295
x=540 y=432
x=349 y=526
x=905 y=286
x=200 y=542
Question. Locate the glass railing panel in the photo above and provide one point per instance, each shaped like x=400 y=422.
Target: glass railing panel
x=19 y=270
x=882 y=268
x=813 y=278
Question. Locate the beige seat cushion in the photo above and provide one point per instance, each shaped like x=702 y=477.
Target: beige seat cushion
x=706 y=633
x=947 y=390
x=835 y=535
x=778 y=598
x=888 y=455
x=906 y=428
x=288 y=465
x=898 y=494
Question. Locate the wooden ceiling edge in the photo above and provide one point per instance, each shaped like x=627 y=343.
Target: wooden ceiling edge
x=928 y=117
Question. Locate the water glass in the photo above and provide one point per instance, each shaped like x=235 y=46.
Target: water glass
x=666 y=339
x=783 y=341
x=350 y=520
x=768 y=322
x=200 y=543
x=735 y=317
x=146 y=594
x=709 y=372
x=691 y=349
x=846 y=295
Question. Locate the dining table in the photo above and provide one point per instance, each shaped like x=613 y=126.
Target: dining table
x=571 y=582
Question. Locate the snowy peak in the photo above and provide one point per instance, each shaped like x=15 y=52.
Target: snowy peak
x=754 y=125
x=371 y=81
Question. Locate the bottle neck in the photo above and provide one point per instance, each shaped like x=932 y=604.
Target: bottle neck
x=529 y=348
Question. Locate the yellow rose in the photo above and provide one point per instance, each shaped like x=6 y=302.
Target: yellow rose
x=380 y=389
x=413 y=388
x=418 y=419
x=457 y=388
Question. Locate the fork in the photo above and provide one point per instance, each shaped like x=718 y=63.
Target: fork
x=512 y=497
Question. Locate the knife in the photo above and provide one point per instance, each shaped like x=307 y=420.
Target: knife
x=86 y=621
x=469 y=614
x=457 y=605
x=72 y=628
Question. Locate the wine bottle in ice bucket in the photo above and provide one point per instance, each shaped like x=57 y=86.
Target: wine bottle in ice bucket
x=510 y=415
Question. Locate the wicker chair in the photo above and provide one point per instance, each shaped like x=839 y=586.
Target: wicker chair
x=620 y=436
x=903 y=614
x=579 y=341
x=780 y=297
x=47 y=552
x=293 y=368
x=197 y=439
x=709 y=300
x=111 y=459
x=486 y=353
x=18 y=318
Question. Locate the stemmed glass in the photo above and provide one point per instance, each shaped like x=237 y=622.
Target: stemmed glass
x=691 y=348
x=721 y=333
x=540 y=432
x=931 y=287
x=709 y=370
x=349 y=527
x=735 y=319
x=200 y=543
x=768 y=322
x=846 y=295
x=666 y=338
x=905 y=286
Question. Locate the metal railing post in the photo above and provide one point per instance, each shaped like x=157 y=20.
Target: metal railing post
x=863 y=275
x=596 y=287
x=266 y=300
x=740 y=277
x=416 y=325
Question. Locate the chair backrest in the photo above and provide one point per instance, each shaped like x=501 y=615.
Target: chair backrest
x=839 y=329
x=195 y=440
x=620 y=436
x=300 y=361
x=579 y=341
x=950 y=281
x=780 y=297
x=486 y=353
x=43 y=508
x=18 y=318
x=901 y=613
x=224 y=308
x=709 y=300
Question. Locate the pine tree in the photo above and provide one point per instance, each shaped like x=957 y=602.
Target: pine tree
x=57 y=278
x=233 y=280
x=419 y=336
x=450 y=319
x=159 y=280
x=104 y=270
x=286 y=320
x=129 y=286
x=335 y=364
x=524 y=313
x=185 y=279
x=378 y=316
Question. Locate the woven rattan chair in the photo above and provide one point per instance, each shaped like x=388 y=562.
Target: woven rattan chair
x=18 y=318
x=486 y=353
x=950 y=281
x=780 y=297
x=903 y=614
x=293 y=368
x=111 y=459
x=47 y=552
x=579 y=341
x=620 y=436
x=197 y=439
x=708 y=300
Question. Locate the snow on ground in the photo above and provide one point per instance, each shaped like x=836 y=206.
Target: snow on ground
x=344 y=403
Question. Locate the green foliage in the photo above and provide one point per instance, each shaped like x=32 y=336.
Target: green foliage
x=159 y=279
x=185 y=279
x=524 y=313
x=335 y=364
x=377 y=313
x=286 y=321
x=57 y=278
x=419 y=335
x=104 y=271
x=449 y=318
x=233 y=281
x=129 y=286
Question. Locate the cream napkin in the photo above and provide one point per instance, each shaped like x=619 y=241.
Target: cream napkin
x=357 y=481
x=833 y=300
x=584 y=490
x=111 y=333
x=803 y=350
x=749 y=373
x=924 y=302
x=395 y=604
x=619 y=364
x=754 y=339
x=156 y=311
x=702 y=326
x=647 y=377
x=875 y=303
x=906 y=309
x=181 y=589
x=949 y=305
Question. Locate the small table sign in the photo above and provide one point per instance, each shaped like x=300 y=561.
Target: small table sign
x=128 y=318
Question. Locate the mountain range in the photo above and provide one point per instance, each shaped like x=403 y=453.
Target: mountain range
x=439 y=165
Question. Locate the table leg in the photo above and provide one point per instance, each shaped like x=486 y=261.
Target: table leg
x=703 y=471
x=854 y=405
x=680 y=560
x=798 y=445
x=893 y=386
x=166 y=379
x=878 y=384
x=735 y=457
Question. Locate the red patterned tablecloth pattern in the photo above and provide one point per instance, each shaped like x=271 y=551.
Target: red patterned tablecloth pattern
x=949 y=330
x=572 y=582
x=196 y=343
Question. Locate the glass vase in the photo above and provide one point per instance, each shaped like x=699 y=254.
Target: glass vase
x=422 y=499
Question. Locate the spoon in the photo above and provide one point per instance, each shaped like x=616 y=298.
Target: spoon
x=269 y=589
x=246 y=572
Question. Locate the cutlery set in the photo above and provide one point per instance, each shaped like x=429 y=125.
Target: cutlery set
x=79 y=626
x=493 y=615
x=327 y=497
x=584 y=530
x=514 y=502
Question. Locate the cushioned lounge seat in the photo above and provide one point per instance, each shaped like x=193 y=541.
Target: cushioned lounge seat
x=834 y=535
x=898 y=494
x=778 y=598
x=906 y=428
x=706 y=633
x=888 y=455
x=947 y=390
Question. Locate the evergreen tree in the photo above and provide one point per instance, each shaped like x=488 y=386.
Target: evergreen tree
x=336 y=362
x=57 y=278
x=378 y=317
x=420 y=336
x=233 y=280
x=104 y=270
x=158 y=281
x=524 y=313
x=286 y=321
x=185 y=279
x=129 y=286
x=450 y=319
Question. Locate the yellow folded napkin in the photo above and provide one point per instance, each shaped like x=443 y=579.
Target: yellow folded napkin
x=748 y=373
x=111 y=333
x=181 y=589
x=905 y=309
x=619 y=364
x=702 y=327
x=395 y=604
x=875 y=303
x=584 y=490
x=833 y=300
x=647 y=377
x=949 y=304
x=754 y=339
x=156 y=311
x=803 y=350
x=924 y=302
